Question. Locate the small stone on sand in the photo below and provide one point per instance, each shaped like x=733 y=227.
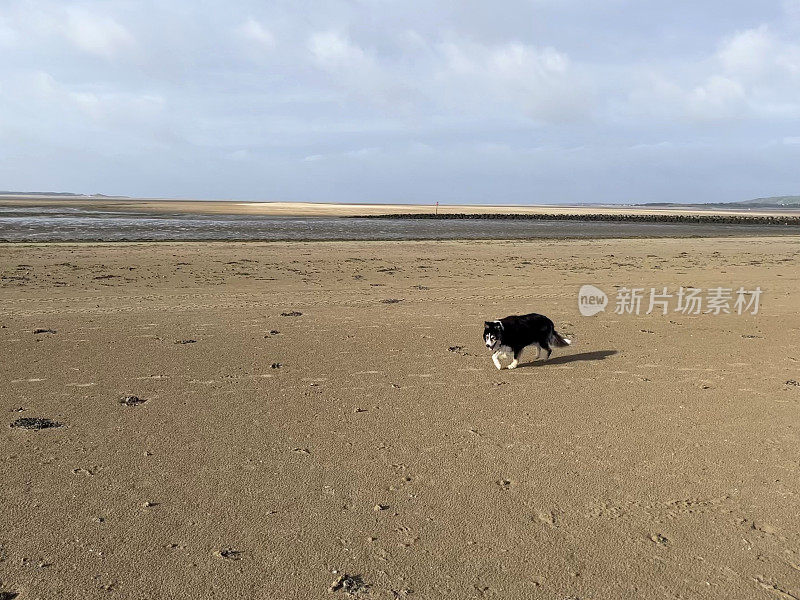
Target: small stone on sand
x=659 y=539
x=132 y=401
x=349 y=584
x=229 y=554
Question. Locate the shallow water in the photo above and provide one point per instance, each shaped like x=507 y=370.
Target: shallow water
x=69 y=224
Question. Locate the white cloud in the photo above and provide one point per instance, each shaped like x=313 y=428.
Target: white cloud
x=333 y=50
x=360 y=153
x=239 y=155
x=760 y=54
x=103 y=107
x=362 y=78
x=95 y=33
x=118 y=106
x=754 y=73
x=747 y=52
x=791 y=9
x=718 y=98
x=540 y=82
x=253 y=31
x=8 y=36
x=454 y=75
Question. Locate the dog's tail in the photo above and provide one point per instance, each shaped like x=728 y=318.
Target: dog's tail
x=557 y=340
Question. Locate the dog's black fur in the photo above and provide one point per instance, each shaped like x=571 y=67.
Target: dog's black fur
x=516 y=332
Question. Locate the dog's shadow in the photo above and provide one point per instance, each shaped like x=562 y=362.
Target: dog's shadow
x=568 y=358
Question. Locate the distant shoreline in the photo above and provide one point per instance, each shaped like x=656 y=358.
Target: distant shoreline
x=723 y=219
x=61 y=223
x=310 y=209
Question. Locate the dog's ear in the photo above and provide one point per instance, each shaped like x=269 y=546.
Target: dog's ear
x=487 y=323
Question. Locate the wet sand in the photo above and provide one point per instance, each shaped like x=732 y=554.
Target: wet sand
x=312 y=420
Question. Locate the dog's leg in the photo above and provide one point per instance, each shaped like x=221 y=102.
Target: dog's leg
x=547 y=351
x=538 y=352
x=496 y=360
x=517 y=356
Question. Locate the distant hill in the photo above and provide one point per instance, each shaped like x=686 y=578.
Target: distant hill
x=770 y=202
x=773 y=201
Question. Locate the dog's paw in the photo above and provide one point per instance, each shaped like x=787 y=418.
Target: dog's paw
x=513 y=365
x=499 y=367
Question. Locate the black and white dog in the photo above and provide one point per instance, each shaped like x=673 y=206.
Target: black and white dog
x=513 y=334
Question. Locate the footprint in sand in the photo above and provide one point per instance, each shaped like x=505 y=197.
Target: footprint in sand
x=82 y=471
x=547 y=518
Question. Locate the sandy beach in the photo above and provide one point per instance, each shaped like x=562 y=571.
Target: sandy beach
x=321 y=420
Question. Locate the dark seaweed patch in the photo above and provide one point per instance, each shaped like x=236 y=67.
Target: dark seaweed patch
x=34 y=423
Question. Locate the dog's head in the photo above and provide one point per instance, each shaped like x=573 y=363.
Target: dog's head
x=492 y=334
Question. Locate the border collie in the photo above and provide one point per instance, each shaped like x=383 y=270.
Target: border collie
x=513 y=334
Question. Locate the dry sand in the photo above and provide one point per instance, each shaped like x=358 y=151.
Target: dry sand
x=315 y=209
x=373 y=439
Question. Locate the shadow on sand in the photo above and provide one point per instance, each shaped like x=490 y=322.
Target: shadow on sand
x=568 y=358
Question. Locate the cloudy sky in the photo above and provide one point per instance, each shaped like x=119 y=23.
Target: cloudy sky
x=524 y=101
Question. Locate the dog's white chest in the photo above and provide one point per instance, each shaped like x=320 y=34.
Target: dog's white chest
x=505 y=352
